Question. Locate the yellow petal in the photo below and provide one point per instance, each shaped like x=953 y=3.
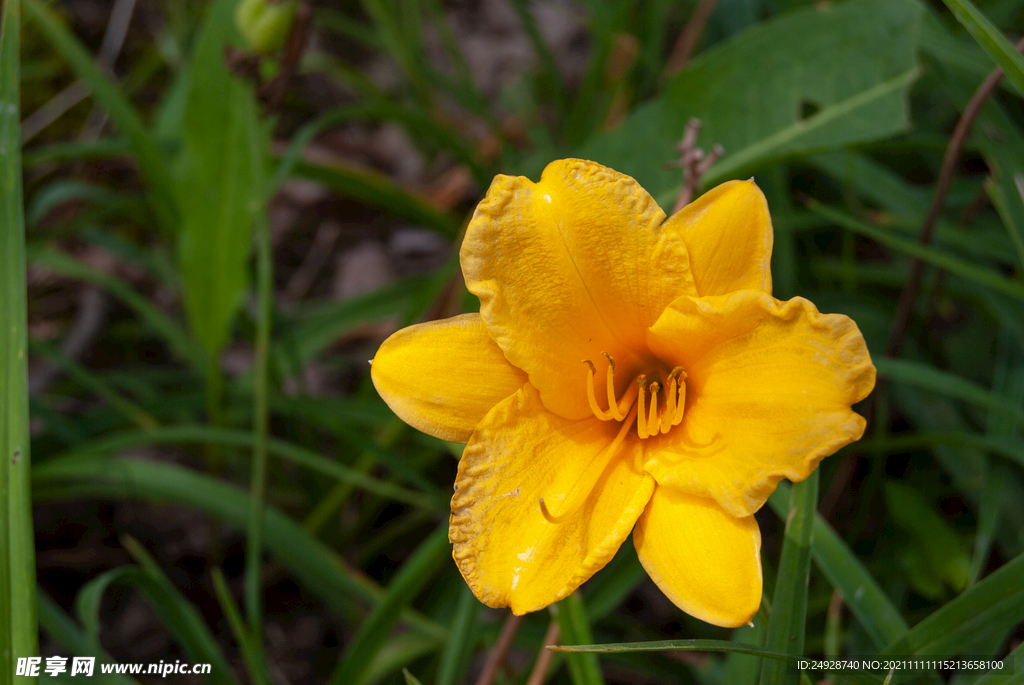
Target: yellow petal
x=728 y=235
x=768 y=394
x=442 y=377
x=570 y=267
x=704 y=560
x=508 y=552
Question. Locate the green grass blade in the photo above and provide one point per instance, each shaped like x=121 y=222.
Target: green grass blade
x=1010 y=675
x=743 y=669
x=320 y=569
x=172 y=333
x=869 y=604
x=978 y=274
x=180 y=616
x=681 y=646
x=977 y=619
x=990 y=39
x=94 y=383
x=279 y=448
x=109 y=96
x=18 y=631
x=68 y=635
x=414 y=573
x=789 y=605
x=584 y=668
x=410 y=679
x=254 y=663
x=929 y=378
x=461 y=639
x=377 y=190
x=179 y=619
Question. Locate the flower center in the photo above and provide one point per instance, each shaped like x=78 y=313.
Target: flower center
x=653 y=416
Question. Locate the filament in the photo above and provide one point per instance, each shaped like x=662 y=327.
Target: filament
x=580 y=492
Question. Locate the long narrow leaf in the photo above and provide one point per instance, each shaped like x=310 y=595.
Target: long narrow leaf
x=949 y=384
x=410 y=579
x=318 y=567
x=232 y=438
x=990 y=39
x=977 y=619
x=18 y=632
x=62 y=628
x=978 y=274
x=862 y=593
x=574 y=625
x=789 y=605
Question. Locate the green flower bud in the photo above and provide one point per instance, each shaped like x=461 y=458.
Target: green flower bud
x=265 y=25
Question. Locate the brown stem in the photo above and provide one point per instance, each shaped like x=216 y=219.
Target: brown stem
x=956 y=142
x=497 y=655
x=540 y=668
x=687 y=40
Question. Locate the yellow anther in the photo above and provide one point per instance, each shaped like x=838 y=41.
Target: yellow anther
x=591 y=397
x=677 y=415
x=652 y=420
x=611 y=362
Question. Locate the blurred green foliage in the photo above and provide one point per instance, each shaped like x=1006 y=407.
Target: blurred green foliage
x=841 y=110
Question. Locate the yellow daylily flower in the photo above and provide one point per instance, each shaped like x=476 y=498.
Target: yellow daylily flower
x=625 y=372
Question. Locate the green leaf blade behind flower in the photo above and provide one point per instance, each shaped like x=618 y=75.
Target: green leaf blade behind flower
x=786 y=628
x=217 y=183
x=825 y=78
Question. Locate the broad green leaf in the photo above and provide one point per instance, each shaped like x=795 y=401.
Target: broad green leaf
x=786 y=629
x=319 y=568
x=991 y=39
x=413 y=575
x=18 y=631
x=936 y=555
x=574 y=625
x=217 y=184
x=825 y=77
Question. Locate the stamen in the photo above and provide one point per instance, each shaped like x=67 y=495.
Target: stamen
x=670 y=404
x=577 y=497
x=677 y=417
x=613 y=405
x=641 y=424
x=591 y=397
x=652 y=425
